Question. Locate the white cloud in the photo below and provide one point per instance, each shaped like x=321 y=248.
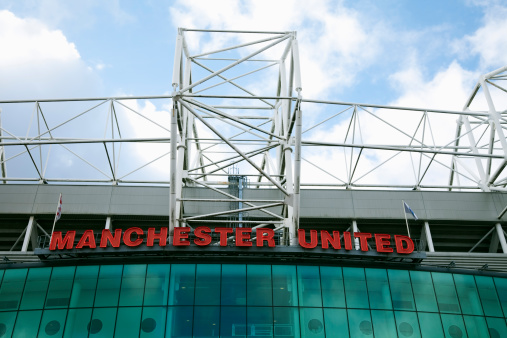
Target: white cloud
x=334 y=44
x=490 y=40
x=39 y=62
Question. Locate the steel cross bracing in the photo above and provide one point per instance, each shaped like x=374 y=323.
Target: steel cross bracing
x=237 y=100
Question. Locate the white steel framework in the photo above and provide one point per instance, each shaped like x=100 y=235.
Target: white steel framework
x=237 y=101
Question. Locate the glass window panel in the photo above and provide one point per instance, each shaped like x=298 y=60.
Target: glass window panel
x=153 y=322
x=407 y=324
x=378 y=289
x=207 y=284
x=108 y=286
x=132 y=285
x=333 y=293
x=453 y=326
x=401 y=290
x=27 y=324
x=360 y=323
x=496 y=327
x=157 y=283
x=489 y=298
x=102 y=323
x=179 y=321
x=312 y=323
x=446 y=292
x=128 y=322
x=476 y=326
x=284 y=285
x=232 y=321
x=501 y=288
x=206 y=321
x=335 y=321
x=468 y=295
x=60 y=287
x=259 y=285
x=12 y=288
x=52 y=324
x=424 y=294
x=383 y=323
x=286 y=322
x=7 y=320
x=1 y=276
x=85 y=283
x=430 y=324
x=78 y=321
x=259 y=321
x=233 y=284
x=355 y=288
x=36 y=288
x=181 y=285
x=309 y=290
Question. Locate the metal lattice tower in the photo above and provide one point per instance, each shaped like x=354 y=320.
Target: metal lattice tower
x=237 y=100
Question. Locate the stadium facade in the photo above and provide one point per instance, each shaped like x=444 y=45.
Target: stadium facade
x=225 y=222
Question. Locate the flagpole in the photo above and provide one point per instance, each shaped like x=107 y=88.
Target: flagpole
x=56 y=214
x=406 y=220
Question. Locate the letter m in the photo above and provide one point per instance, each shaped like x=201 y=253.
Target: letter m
x=66 y=243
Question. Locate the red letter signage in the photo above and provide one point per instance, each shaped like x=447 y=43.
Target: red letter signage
x=313 y=239
x=181 y=236
x=202 y=235
x=161 y=236
x=363 y=239
x=127 y=236
x=66 y=243
x=88 y=239
x=264 y=234
x=108 y=237
x=382 y=242
x=400 y=248
x=243 y=236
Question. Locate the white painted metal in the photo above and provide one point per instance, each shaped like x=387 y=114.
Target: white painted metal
x=219 y=94
x=428 y=238
x=501 y=237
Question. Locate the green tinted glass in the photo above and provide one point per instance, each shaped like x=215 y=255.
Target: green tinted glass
x=132 y=285
x=12 y=288
x=85 y=283
x=355 y=288
x=335 y=321
x=259 y=290
x=128 y=322
x=476 y=326
x=207 y=284
x=488 y=295
x=378 y=289
x=60 y=287
x=284 y=285
x=424 y=294
x=181 y=285
x=153 y=322
x=431 y=325
x=36 y=288
x=157 y=284
x=401 y=290
x=445 y=292
x=233 y=290
x=333 y=292
x=108 y=286
x=468 y=295
x=52 y=324
x=27 y=324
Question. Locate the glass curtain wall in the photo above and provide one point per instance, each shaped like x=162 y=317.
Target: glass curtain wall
x=240 y=300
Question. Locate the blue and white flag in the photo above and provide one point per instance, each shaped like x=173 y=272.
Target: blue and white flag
x=408 y=210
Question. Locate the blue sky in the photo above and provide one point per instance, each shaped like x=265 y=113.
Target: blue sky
x=424 y=54
x=127 y=47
